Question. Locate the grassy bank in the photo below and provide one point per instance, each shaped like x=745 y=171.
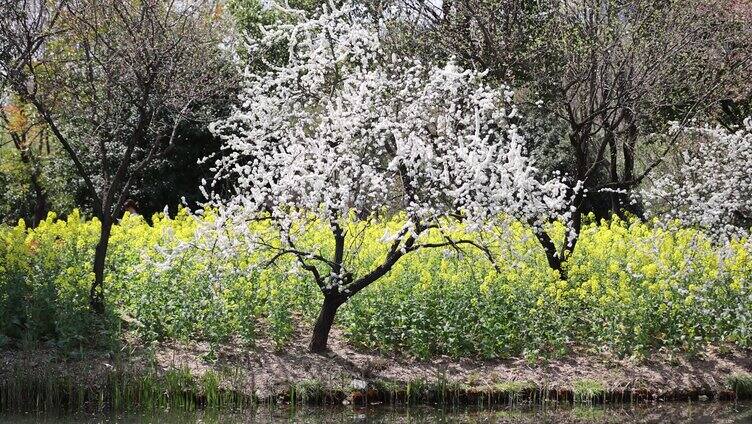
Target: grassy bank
x=179 y=390
x=179 y=377
x=118 y=390
x=647 y=313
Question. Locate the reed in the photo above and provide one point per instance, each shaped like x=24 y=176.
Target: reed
x=119 y=391
x=588 y=391
x=741 y=384
x=179 y=390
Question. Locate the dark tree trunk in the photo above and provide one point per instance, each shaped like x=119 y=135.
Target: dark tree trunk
x=612 y=169
x=552 y=255
x=556 y=259
x=578 y=138
x=629 y=148
x=96 y=294
x=333 y=298
x=555 y=262
x=320 y=338
x=446 y=10
x=40 y=204
x=40 y=197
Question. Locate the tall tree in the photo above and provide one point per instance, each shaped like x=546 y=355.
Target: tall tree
x=339 y=133
x=607 y=72
x=112 y=80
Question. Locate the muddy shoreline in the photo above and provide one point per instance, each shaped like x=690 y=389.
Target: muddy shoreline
x=233 y=376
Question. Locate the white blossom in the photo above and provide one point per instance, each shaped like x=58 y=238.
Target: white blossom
x=343 y=131
x=711 y=186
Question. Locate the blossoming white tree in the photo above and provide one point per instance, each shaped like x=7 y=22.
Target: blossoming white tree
x=340 y=132
x=710 y=186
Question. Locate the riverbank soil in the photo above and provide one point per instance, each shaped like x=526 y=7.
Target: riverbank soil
x=349 y=375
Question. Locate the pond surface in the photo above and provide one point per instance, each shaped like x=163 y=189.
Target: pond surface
x=690 y=413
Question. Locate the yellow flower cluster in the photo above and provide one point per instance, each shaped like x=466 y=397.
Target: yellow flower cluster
x=631 y=286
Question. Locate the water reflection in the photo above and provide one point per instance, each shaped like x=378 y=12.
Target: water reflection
x=696 y=413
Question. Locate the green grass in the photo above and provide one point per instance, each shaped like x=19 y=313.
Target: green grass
x=741 y=384
x=307 y=391
x=174 y=390
x=515 y=387
x=588 y=391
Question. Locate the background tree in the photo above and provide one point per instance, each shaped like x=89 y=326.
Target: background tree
x=596 y=77
x=113 y=81
x=30 y=141
x=341 y=134
x=250 y=15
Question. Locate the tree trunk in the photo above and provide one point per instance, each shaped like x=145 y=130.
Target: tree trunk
x=555 y=263
x=96 y=294
x=324 y=323
x=612 y=169
x=40 y=204
x=40 y=199
x=552 y=255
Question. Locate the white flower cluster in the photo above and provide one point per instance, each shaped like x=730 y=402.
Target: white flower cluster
x=712 y=186
x=343 y=130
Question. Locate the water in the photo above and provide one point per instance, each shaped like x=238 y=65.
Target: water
x=690 y=413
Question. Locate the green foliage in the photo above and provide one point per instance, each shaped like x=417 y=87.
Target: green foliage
x=44 y=283
x=18 y=199
x=588 y=391
x=632 y=287
x=249 y=14
x=119 y=390
x=307 y=391
x=516 y=390
x=740 y=383
x=14 y=181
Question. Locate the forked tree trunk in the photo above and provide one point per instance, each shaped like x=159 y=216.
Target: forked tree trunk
x=556 y=260
x=333 y=298
x=552 y=255
x=320 y=338
x=96 y=293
